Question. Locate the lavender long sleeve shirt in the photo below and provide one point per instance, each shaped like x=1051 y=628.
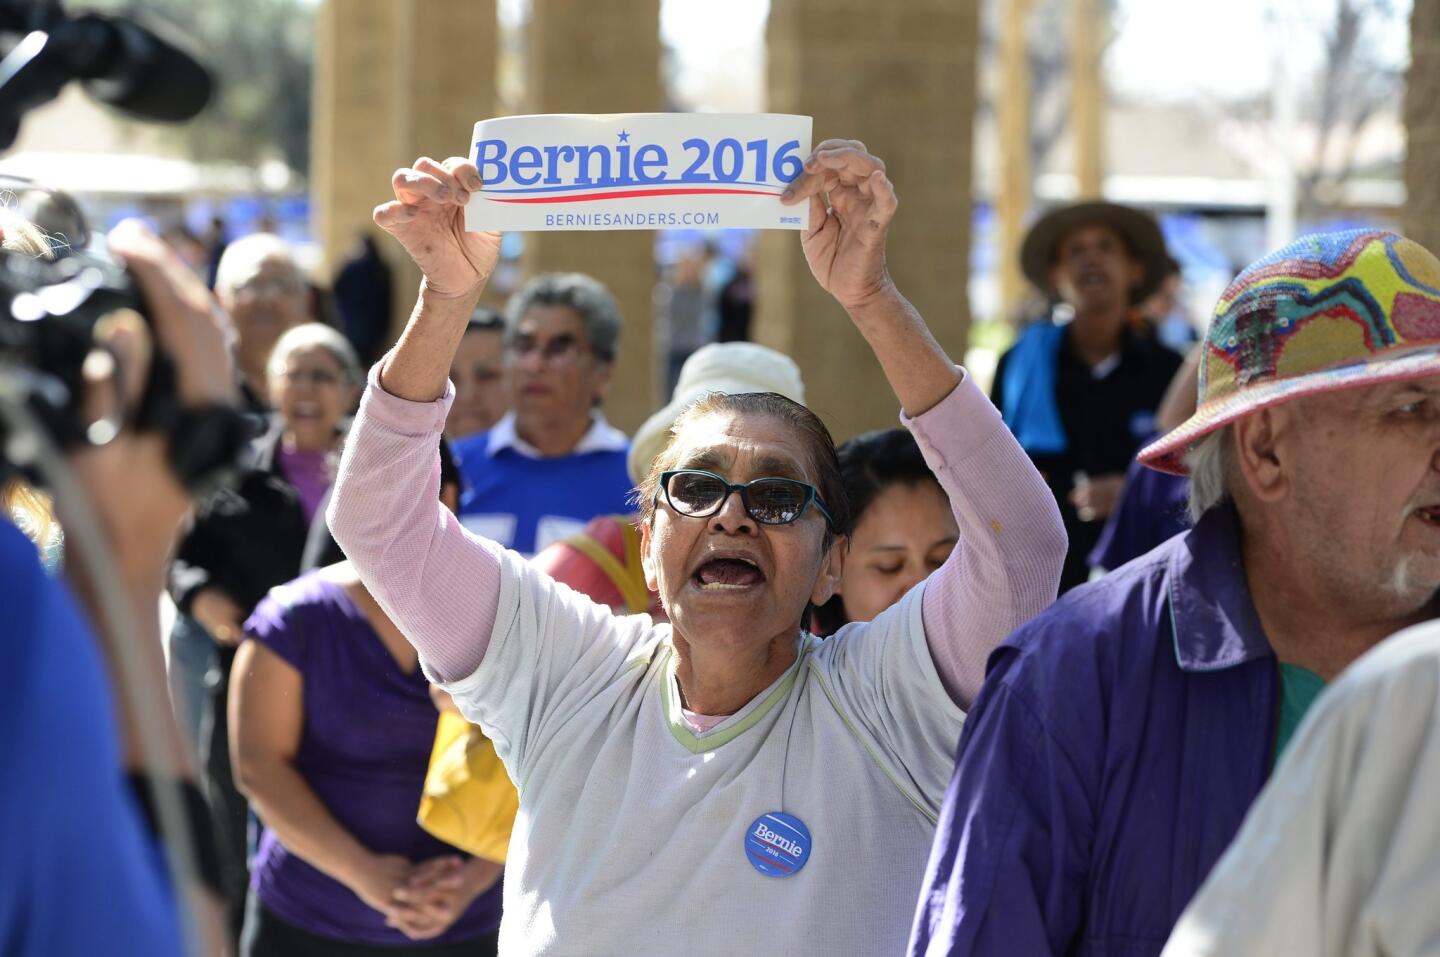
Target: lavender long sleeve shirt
x=440 y=583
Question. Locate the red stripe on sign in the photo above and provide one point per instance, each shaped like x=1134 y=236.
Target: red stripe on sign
x=592 y=197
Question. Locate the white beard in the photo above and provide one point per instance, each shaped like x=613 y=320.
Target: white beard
x=1399 y=581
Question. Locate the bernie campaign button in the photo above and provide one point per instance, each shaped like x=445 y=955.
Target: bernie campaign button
x=777 y=844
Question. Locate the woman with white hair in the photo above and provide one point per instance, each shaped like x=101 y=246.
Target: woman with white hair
x=261 y=533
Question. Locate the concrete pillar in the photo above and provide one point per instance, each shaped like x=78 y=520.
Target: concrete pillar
x=901 y=78
x=394 y=80
x=1087 y=84
x=580 y=61
x=1014 y=191
x=1420 y=216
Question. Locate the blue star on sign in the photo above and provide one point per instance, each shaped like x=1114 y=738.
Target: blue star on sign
x=624 y=136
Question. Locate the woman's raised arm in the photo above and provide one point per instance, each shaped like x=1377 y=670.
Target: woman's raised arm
x=438 y=583
x=1006 y=566
x=845 y=247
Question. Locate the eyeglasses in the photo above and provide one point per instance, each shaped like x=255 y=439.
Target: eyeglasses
x=769 y=501
x=560 y=350
x=319 y=377
x=270 y=287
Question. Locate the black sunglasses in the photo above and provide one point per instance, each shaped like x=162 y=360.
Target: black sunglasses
x=769 y=501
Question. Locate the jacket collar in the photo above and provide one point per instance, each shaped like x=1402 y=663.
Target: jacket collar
x=1214 y=620
x=263 y=454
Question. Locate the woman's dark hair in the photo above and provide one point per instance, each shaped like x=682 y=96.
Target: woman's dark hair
x=872 y=462
x=449 y=468
x=485 y=319
x=869 y=464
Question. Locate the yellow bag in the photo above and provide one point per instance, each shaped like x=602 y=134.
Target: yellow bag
x=469 y=801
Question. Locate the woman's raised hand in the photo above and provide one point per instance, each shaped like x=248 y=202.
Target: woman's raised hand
x=845 y=245
x=428 y=217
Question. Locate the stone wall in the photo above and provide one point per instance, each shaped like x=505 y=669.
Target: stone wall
x=394 y=80
x=901 y=78
x=580 y=62
x=1420 y=218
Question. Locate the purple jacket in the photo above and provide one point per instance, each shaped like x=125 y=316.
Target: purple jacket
x=1110 y=757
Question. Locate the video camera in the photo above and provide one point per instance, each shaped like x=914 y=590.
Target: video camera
x=49 y=310
x=50 y=307
x=142 y=67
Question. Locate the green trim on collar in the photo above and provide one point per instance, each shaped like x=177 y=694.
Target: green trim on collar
x=699 y=744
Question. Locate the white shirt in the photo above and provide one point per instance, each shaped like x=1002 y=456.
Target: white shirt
x=600 y=437
x=632 y=826
x=1340 y=854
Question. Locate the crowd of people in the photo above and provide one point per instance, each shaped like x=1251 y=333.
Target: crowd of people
x=1098 y=663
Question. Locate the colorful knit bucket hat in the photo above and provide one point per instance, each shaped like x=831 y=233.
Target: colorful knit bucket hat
x=1328 y=312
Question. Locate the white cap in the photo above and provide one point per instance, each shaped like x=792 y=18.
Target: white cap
x=732 y=368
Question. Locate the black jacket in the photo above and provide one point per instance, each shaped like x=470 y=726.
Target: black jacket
x=252 y=537
x=1106 y=419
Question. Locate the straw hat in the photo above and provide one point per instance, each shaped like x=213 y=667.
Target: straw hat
x=1328 y=312
x=729 y=367
x=1141 y=232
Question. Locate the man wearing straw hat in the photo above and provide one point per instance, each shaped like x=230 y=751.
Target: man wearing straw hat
x=1081 y=397
x=1121 y=736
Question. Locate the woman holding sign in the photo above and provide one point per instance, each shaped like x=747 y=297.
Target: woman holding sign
x=782 y=789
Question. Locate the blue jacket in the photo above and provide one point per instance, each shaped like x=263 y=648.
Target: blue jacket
x=1110 y=757
x=79 y=873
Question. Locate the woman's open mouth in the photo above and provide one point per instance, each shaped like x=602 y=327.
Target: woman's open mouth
x=727 y=574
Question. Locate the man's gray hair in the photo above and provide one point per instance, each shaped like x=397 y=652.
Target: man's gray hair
x=242 y=259
x=1209 y=463
x=587 y=296
x=313 y=335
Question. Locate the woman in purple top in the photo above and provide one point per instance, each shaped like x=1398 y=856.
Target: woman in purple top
x=332 y=726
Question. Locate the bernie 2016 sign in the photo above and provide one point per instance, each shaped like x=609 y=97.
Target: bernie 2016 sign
x=638 y=171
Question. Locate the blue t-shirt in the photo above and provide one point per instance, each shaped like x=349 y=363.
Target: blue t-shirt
x=78 y=872
x=527 y=503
